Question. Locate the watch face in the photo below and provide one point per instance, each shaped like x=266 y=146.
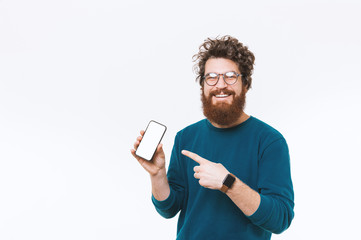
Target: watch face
x=229 y=180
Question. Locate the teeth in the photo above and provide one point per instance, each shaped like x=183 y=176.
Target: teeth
x=222 y=95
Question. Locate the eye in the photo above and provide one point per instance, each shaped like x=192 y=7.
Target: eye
x=212 y=75
x=231 y=74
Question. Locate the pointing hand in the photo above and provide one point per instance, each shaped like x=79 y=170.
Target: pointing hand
x=210 y=174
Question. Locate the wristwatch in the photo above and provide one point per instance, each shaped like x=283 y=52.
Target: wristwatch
x=228 y=182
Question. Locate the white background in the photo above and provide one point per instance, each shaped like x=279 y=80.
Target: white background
x=80 y=78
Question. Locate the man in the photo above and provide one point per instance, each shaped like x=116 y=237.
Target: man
x=229 y=174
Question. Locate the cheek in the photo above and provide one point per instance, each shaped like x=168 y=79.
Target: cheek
x=238 y=93
x=205 y=91
x=238 y=90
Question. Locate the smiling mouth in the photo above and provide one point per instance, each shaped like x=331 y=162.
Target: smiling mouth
x=222 y=95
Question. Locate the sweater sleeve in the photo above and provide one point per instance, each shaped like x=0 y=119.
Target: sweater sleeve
x=173 y=204
x=275 y=211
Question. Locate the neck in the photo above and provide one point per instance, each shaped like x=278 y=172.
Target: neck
x=240 y=120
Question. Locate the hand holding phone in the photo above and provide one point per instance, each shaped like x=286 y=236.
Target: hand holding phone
x=149 y=153
x=150 y=140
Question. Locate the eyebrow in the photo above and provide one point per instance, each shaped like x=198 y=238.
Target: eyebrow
x=222 y=73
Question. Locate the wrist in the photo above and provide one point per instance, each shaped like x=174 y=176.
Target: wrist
x=247 y=199
x=156 y=170
x=160 y=185
x=228 y=182
x=161 y=173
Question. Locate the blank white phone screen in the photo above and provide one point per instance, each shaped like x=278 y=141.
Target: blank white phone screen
x=152 y=137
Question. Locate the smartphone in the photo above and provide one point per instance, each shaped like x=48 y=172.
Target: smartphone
x=152 y=136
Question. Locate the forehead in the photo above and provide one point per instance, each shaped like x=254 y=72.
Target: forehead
x=220 y=65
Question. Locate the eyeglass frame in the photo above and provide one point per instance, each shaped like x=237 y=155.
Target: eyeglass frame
x=218 y=76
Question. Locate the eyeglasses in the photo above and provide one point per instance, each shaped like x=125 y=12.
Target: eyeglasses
x=229 y=78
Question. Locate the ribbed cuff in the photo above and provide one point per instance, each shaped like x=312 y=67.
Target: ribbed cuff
x=262 y=214
x=165 y=204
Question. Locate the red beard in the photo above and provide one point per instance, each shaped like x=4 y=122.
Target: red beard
x=223 y=114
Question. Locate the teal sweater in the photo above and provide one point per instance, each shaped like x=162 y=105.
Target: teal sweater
x=253 y=151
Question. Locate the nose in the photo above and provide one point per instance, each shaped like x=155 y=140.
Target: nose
x=221 y=83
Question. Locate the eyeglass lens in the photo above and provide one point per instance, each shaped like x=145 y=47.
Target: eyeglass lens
x=229 y=77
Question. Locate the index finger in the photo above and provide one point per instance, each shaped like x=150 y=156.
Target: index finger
x=194 y=156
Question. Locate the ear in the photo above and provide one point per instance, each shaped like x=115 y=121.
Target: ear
x=202 y=87
x=245 y=89
x=245 y=84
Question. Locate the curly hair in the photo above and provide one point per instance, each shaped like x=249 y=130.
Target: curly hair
x=229 y=48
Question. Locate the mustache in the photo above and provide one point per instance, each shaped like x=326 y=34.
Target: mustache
x=224 y=91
